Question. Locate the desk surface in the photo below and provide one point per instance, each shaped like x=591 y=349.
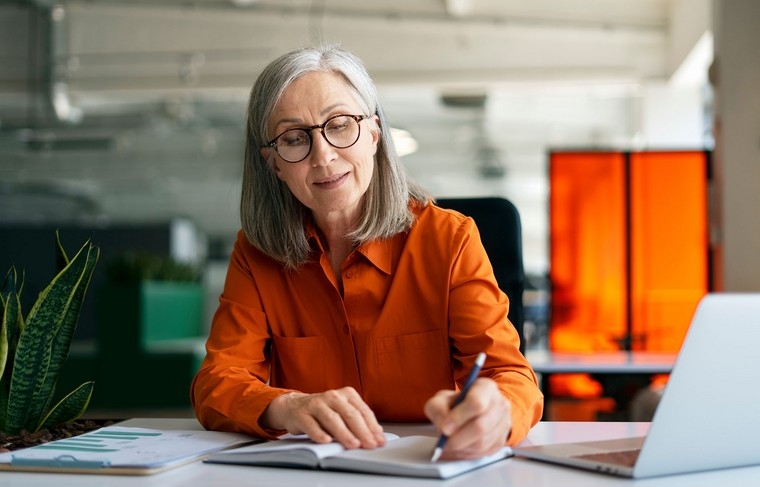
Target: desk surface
x=513 y=472
x=620 y=362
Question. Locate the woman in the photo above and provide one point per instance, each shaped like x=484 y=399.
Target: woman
x=351 y=299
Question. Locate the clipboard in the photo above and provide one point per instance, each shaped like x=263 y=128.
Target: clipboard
x=73 y=465
x=122 y=451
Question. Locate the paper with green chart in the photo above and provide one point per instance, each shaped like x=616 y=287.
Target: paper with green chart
x=124 y=450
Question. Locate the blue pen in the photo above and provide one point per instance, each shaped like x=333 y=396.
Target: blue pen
x=479 y=361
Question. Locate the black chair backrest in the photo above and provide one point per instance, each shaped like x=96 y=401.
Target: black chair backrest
x=498 y=222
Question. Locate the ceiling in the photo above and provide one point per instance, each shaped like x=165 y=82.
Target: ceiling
x=133 y=111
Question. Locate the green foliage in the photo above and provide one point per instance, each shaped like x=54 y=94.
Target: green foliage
x=33 y=350
x=132 y=267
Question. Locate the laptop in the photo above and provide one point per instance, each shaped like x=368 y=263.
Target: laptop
x=707 y=418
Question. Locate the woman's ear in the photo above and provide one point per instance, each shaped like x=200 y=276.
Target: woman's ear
x=375 y=131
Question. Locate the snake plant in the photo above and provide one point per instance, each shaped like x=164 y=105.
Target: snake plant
x=34 y=349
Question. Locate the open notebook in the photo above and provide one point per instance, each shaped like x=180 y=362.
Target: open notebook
x=707 y=417
x=407 y=456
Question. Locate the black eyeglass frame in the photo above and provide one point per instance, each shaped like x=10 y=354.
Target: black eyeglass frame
x=308 y=130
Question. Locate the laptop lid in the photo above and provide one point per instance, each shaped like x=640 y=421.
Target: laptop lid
x=706 y=418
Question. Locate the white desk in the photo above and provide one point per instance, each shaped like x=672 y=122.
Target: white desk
x=629 y=363
x=513 y=472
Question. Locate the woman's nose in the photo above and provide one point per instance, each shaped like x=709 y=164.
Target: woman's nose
x=321 y=151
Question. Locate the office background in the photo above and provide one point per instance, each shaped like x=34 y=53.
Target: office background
x=120 y=113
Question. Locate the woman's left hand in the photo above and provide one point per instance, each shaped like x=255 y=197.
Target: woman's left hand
x=477 y=426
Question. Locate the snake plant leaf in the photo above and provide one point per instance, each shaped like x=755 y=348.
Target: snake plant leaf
x=5 y=325
x=9 y=283
x=9 y=334
x=10 y=317
x=30 y=385
x=61 y=258
x=3 y=335
x=3 y=383
x=62 y=340
x=12 y=324
x=70 y=407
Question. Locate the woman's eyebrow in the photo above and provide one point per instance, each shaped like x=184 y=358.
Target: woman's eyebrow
x=332 y=107
x=288 y=120
x=324 y=112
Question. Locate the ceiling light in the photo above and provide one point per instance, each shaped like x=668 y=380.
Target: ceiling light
x=458 y=8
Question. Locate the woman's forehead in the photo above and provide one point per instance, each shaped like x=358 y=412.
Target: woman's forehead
x=315 y=94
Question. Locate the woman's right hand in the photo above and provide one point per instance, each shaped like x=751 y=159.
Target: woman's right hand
x=338 y=414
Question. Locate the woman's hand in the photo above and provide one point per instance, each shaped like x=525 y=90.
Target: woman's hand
x=478 y=426
x=338 y=414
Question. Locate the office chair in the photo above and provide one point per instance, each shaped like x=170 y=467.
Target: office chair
x=498 y=222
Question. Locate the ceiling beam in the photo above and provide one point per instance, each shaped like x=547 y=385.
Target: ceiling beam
x=110 y=47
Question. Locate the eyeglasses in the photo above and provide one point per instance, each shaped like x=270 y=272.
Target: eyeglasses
x=340 y=131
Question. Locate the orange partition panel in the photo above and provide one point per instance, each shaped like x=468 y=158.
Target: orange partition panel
x=587 y=219
x=628 y=252
x=668 y=245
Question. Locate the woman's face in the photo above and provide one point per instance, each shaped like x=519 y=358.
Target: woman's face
x=329 y=181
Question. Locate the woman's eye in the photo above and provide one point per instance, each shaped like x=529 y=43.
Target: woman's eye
x=337 y=126
x=294 y=137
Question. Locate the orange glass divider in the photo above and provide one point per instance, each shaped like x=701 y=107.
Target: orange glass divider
x=628 y=253
x=587 y=206
x=669 y=246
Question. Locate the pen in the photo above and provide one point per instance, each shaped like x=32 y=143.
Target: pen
x=479 y=361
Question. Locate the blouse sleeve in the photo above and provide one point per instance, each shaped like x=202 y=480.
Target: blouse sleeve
x=478 y=322
x=230 y=391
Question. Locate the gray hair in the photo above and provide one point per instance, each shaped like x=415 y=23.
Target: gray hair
x=272 y=218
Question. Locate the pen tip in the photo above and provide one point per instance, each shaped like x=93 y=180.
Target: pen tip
x=436 y=454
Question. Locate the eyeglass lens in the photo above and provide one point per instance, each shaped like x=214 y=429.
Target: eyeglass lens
x=341 y=132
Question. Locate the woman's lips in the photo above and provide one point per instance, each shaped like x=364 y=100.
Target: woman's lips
x=332 y=181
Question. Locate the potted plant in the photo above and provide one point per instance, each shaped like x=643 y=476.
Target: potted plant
x=33 y=349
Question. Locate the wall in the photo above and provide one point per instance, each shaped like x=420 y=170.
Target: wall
x=737 y=153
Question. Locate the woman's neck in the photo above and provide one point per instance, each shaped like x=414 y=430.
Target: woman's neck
x=334 y=230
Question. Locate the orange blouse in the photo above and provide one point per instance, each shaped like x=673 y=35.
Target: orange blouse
x=416 y=310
